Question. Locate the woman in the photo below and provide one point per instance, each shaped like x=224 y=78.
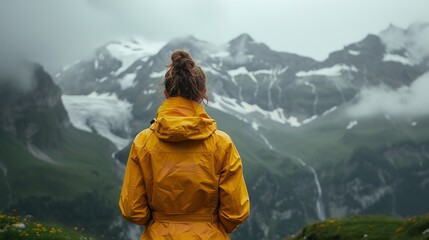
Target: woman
x=184 y=177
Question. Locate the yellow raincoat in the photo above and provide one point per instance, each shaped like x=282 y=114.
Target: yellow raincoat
x=184 y=177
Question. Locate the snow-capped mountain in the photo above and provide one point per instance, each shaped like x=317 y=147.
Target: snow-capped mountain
x=248 y=76
x=306 y=157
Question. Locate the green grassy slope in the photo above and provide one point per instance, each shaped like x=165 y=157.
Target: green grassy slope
x=79 y=188
x=367 y=227
x=81 y=164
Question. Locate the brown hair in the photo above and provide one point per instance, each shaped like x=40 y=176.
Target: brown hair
x=184 y=78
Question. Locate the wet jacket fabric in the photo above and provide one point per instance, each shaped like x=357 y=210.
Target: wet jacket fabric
x=184 y=177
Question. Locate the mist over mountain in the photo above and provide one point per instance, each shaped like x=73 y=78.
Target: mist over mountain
x=48 y=168
x=31 y=107
x=319 y=139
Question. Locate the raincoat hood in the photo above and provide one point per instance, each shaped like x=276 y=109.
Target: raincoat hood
x=180 y=119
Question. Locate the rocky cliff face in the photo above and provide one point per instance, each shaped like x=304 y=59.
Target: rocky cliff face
x=47 y=165
x=392 y=181
x=31 y=107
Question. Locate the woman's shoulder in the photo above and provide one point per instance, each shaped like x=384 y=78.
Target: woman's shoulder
x=142 y=137
x=144 y=132
x=222 y=137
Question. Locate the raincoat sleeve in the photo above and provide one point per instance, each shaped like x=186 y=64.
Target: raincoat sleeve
x=133 y=200
x=234 y=207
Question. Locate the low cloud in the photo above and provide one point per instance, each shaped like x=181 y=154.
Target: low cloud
x=16 y=75
x=409 y=101
x=52 y=32
x=414 y=39
x=59 y=32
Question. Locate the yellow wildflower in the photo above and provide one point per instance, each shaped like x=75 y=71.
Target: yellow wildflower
x=331 y=221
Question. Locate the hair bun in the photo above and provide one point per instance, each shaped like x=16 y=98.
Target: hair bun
x=181 y=59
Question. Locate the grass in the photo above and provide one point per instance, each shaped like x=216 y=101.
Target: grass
x=82 y=180
x=15 y=227
x=81 y=166
x=368 y=228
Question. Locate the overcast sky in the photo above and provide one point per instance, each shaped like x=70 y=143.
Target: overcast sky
x=57 y=32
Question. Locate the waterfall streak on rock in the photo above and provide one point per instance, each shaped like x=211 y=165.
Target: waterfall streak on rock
x=319 y=202
x=274 y=78
x=9 y=188
x=267 y=142
x=341 y=92
x=316 y=97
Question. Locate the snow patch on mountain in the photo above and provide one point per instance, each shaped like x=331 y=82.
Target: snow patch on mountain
x=241 y=71
x=353 y=52
x=263 y=71
x=130 y=51
x=210 y=70
x=66 y=67
x=220 y=54
x=332 y=109
x=333 y=71
x=102 y=113
x=101 y=79
x=157 y=74
x=228 y=105
x=127 y=81
x=397 y=58
x=351 y=124
x=255 y=126
x=309 y=120
x=148 y=92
